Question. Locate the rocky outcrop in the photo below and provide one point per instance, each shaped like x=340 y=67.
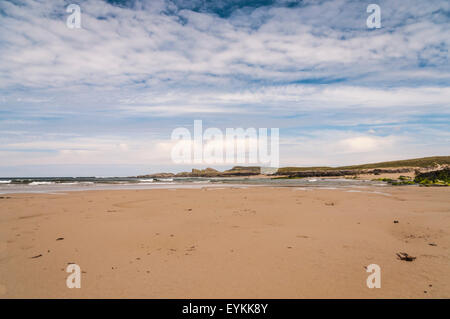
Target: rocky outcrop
x=157 y=175
x=210 y=172
x=438 y=177
x=242 y=171
x=296 y=172
x=207 y=172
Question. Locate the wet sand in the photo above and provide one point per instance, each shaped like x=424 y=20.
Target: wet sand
x=256 y=242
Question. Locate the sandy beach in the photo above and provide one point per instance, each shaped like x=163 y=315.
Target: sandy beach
x=255 y=242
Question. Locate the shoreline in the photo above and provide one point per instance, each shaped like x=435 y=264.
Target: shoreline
x=56 y=186
x=311 y=185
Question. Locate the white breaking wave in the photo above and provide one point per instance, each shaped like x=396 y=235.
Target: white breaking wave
x=149 y=180
x=165 y=179
x=41 y=183
x=5 y=182
x=201 y=182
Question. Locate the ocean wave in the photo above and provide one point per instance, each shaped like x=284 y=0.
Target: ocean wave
x=41 y=183
x=148 y=180
x=5 y=182
x=201 y=182
x=165 y=179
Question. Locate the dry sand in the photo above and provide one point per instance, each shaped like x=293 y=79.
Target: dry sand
x=258 y=242
x=384 y=175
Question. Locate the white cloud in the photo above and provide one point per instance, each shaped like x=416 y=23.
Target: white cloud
x=134 y=45
x=366 y=143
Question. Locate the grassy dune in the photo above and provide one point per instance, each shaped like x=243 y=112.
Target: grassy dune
x=416 y=162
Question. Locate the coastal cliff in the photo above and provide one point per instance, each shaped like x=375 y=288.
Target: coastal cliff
x=210 y=172
x=343 y=172
x=410 y=166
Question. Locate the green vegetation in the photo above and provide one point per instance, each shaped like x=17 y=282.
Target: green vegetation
x=285 y=170
x=387 y=180
x=402 y=180
x=397 y=183
x=416 y=162
x=435 y=178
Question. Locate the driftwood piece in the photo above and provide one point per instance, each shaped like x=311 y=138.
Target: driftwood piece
x=405 y=257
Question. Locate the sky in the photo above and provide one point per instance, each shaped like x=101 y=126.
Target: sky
x=103 y=100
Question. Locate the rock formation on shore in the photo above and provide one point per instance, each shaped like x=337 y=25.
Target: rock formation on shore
x=435 y=178
x=418 y=165
x=210 y=172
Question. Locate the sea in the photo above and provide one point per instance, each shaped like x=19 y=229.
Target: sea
x=9 y=185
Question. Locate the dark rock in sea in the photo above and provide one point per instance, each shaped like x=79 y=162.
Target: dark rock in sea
x=157 y=175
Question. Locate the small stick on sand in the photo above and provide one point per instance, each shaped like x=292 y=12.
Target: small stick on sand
x=405 y=257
